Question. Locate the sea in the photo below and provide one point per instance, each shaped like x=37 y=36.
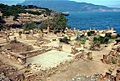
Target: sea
x=94 y=20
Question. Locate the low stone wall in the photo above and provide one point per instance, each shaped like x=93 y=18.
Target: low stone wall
x=35 y=52
x=21 y=57
x=44 y=74
x=14 y=56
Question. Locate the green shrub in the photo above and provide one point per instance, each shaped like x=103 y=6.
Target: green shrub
x=29 y=26
x=53 y=39
x=64 y=40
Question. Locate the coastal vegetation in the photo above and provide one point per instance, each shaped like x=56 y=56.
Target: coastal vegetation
x=64 y=40
x=81 y=38
x=14 y=10
x=90 y=33
x=30 y=26
x=57 y=23
x=2 y=22
x=101 y=40
x=55 y=20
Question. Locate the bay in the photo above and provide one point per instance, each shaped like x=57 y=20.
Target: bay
x=94 y=20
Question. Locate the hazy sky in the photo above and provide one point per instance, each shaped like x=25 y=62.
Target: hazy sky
x=111 y=3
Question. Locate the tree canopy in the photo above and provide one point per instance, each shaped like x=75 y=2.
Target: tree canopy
x=16 y=9
x=101 y=40
x=58 y=23
x=29 y=26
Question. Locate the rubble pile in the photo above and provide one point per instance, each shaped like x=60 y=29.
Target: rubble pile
x=10 y=73
x=85 y=78
x=18 y=47
x=112 y=58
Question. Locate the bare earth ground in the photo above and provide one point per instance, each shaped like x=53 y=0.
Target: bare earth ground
x=80 y=67
x=53 y=58
x=84 y=67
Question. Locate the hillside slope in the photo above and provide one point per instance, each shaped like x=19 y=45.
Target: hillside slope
x=66 y=5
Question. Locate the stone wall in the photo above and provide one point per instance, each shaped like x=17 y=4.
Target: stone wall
x=35 y=52
x=21 y=57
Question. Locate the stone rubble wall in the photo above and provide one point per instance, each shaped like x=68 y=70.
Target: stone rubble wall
x=21 y=57
x=35 y=52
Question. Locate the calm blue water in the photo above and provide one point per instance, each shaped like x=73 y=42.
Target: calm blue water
x=97 y=20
